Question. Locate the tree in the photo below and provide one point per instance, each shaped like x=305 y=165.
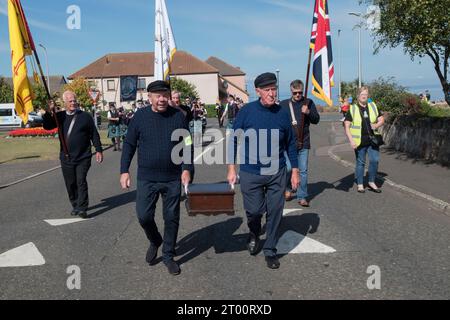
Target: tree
x=350 y=89
x=81 y=89
x=186 y=89
x=40 y=98
x=6 y=92
x=422 y=27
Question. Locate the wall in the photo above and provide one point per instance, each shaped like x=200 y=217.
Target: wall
x=206 y=84
x=424 y=138
x=240 y=82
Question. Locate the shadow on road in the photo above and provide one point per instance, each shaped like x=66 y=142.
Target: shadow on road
x=305 y=224
x=112 y=203
x=345 y=184
x=219 y=236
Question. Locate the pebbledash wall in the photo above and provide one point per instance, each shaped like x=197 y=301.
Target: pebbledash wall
x=424 y=138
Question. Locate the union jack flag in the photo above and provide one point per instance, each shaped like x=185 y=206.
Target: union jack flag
x=323 y=67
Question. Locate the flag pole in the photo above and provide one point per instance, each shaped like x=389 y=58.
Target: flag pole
x=58 y=125
x=33 y=48
x=302 y=122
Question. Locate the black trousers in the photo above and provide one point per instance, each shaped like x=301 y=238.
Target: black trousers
x=264 y=194
x=147 y=197
x=75 y=175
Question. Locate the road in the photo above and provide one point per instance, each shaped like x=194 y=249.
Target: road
x=334 y=249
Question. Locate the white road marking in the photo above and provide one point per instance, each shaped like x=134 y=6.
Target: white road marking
x=293 y=242
x=207 y=150
x=25 y=256
x=61 y=222
x=288 y=211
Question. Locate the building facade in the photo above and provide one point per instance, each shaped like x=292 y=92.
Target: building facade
x=106 y=72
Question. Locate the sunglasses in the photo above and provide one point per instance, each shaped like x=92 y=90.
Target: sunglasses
x=296 y=93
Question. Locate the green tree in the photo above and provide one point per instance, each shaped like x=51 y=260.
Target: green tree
x=81 y=89
x=6 y=92
x=39 y=96
x=422 y=27
x=187 y=90
x=350 y=89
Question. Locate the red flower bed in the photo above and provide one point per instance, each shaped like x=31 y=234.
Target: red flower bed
x=33 y=132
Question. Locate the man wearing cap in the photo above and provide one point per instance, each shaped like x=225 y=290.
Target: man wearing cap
x=268 y=134
x=151 y=133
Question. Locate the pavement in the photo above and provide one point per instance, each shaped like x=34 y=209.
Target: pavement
x=331 y=249
x=426 y=177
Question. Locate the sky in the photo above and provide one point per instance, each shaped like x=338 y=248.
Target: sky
x=256 y=35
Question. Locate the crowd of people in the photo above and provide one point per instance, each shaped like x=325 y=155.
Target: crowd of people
x=147 y=129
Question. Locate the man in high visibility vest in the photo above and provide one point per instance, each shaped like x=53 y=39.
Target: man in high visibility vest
x=362 y=124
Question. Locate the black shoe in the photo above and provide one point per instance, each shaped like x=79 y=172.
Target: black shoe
x=361 y=191
x=82 y=214
x=375 y=190
x=173 y=268
x=74 y=213
x=152 y=253
x=253 y=244
x=273 y=262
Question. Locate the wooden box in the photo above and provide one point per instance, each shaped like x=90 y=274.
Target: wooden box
x=210 y=199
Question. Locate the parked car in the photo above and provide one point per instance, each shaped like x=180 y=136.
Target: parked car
x=34 y=120
x=8 y=116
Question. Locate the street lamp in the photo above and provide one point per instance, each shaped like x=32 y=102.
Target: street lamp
x=46 y=59
x=340 y=65
x=278 y=83
x=359 y=26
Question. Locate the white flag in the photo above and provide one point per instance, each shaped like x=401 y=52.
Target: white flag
x=165 y=46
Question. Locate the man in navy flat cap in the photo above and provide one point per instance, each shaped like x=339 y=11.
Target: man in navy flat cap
x=268 y=134
x=151 y=133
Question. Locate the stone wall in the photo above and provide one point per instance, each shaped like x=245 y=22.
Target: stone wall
x=420 y=137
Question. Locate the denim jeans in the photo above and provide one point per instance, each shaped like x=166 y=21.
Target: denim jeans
x=374 y=158
x=303 y=159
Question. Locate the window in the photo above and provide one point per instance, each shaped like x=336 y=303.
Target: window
x=5 y=112
x=142 y=85
x=111 y=85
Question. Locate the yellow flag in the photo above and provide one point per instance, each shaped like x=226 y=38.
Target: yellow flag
x=21 y=46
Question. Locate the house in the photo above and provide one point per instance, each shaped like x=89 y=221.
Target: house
x=105 y=74
x=56 y=84
x=232 y=78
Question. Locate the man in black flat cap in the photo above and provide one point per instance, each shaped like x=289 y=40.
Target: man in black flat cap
x=268 y=134
x=151 y=133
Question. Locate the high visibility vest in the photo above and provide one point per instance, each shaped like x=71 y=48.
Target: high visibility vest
x=356 y=126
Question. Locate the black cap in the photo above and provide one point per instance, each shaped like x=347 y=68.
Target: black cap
x=158 y=86
x=265 y=79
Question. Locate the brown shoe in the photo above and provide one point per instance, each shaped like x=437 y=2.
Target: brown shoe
x=288 y=196
x=304 y=203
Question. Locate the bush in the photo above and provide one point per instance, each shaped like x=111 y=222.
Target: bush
x=211 y=109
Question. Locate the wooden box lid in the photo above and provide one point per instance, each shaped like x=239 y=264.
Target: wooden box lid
x=210 y=199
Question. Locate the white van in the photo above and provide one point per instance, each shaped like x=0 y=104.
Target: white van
x=8 y=116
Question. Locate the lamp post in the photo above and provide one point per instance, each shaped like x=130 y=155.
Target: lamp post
x=46 y=60
x=278 y=83
x=340 y=65
x=359 y=26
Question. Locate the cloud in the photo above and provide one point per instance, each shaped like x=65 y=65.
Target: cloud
x=3 y=7
x=259 y=51
x=288 y=5
x=34 y=23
